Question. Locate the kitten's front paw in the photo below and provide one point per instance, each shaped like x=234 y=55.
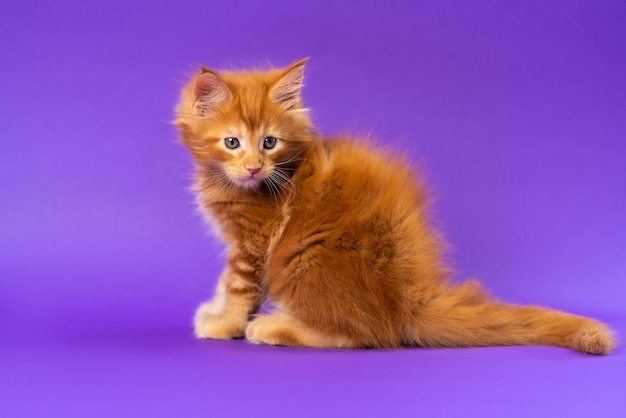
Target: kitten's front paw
x=208 y=325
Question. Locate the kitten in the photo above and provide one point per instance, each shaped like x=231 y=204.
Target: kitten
x=335 y=232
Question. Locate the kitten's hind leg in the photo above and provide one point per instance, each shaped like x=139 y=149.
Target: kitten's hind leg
x=280 y=328
x=464 y=318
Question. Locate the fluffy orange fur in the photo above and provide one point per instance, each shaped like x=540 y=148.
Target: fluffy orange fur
x=335 y=232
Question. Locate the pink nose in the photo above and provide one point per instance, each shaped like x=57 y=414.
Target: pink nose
x=253 y=171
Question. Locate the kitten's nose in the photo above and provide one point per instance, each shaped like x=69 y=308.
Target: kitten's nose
x=253 y=171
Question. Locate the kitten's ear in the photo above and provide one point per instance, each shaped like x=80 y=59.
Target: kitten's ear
x=286 y=89
x=209 y=92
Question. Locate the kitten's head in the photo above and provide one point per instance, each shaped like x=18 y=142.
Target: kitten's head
x=245 y=129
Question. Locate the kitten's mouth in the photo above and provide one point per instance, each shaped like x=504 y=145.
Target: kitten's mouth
x=250 y=181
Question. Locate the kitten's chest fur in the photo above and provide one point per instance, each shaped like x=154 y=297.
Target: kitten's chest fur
x=250 y=224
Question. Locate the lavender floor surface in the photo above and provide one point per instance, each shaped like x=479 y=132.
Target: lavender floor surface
x=167 y=373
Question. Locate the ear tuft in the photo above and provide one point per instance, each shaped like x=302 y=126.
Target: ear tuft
x=209 y=92
x=286 y=90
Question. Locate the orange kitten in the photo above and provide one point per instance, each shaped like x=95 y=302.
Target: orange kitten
x=335 y=232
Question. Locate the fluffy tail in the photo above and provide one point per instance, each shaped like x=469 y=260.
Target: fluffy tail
x=462 y=316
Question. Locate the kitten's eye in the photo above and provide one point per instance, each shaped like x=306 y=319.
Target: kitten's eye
x=231 y=143
x=269 y=142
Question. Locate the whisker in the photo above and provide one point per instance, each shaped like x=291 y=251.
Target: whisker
x=285 y=181
x=272 y=188
x=296 y=156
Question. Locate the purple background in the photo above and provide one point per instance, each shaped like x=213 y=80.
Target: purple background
x=516 y=110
